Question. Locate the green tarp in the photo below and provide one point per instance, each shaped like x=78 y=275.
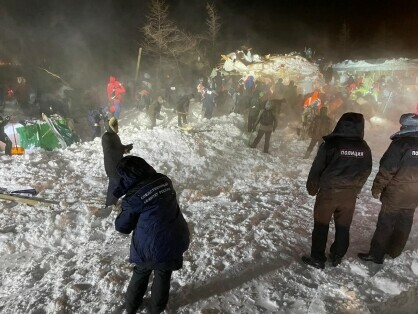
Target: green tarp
x=41 y=135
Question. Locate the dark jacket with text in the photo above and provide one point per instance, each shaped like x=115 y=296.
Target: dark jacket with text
x=344 y=160
x=150 y=209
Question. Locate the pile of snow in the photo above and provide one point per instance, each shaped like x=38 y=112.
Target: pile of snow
x=249 y=214
x=289 y=67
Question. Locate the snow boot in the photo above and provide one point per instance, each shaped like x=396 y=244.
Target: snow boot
x=308 y=260
x=335 y=260
x=367 y=257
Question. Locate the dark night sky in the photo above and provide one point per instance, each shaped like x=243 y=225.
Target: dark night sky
x=109 y=30
x=296 y=23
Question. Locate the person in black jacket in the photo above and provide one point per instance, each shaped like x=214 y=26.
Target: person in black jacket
x=94 y=116
x=183 y=108
x=253 y=112
x=396 y=184
x=3 y=136
x=154 y=111
x=337 y=175
x=113 y=151
x=268 y=124
x=160 y=232
x=321 y=126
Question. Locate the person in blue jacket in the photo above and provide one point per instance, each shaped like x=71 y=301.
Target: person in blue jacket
x=160 y=233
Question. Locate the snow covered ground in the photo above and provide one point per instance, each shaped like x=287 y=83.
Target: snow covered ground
x=249 y=214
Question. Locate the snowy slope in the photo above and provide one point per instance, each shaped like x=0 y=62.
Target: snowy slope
x=249 y=215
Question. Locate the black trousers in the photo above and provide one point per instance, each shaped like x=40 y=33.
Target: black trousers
x=266 y=139
x=392 y=232
x=341 y=205
x=138 y=286
x=113 y=184
x=252 y=119
x=6 y=140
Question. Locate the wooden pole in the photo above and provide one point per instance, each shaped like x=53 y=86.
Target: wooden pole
x=137 y=64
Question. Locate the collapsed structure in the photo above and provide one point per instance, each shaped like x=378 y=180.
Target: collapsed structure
x=289 y=67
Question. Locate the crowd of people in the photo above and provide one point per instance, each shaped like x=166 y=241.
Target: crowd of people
x=340 y=169
x=149 y=208
x=246 y=95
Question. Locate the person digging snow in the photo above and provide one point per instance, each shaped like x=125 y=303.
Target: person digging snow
x=183 y=105
x=160 y=234
x=154 y=111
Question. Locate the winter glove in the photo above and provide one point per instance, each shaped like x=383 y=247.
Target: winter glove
x=312 y=189
x=375 y=194
x=129 y=147
x=312 y=192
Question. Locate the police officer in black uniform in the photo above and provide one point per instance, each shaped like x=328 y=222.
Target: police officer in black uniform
x=337 y=175
x=396 y=184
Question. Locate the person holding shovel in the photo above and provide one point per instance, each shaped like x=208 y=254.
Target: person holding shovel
x=3 y=136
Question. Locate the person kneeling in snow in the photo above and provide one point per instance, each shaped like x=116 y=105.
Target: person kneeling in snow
x=338 y=173
x=160 y=232
x=397 y=185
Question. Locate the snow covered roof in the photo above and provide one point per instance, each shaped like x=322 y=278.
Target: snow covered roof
x=377 y=65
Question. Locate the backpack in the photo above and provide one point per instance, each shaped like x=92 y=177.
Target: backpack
x=267 y=117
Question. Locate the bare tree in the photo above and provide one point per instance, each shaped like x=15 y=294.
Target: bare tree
x=159 y=31
x=214 y=25
x=165 y=40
